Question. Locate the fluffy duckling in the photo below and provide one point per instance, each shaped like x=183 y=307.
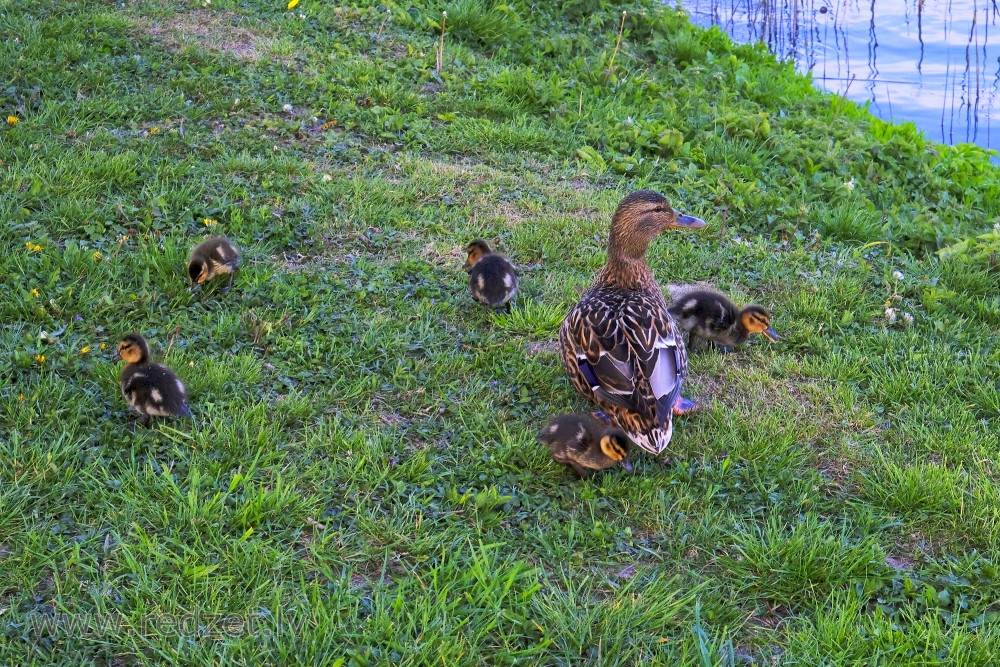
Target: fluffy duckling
x=493 y=279
x=151 y=390
x=584 y=444
x=214 y=257
x=709 y=315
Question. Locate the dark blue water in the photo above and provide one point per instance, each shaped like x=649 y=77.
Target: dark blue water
x=935 y=63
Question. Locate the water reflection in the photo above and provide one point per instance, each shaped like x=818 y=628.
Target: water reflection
x=934 y=63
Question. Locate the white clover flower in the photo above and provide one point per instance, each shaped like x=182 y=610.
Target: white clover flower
x=898 y=275
x=907 y=319
x=890 y=314
x=849 y=184
x=287 y=108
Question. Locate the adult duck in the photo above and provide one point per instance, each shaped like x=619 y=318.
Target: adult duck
x=620 y=346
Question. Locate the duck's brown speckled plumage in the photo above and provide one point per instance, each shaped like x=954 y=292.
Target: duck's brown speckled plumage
x=619 y=345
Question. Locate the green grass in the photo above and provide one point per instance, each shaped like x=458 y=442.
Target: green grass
x=360 y=484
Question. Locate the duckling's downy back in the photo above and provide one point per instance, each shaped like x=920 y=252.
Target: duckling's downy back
x=493 y=280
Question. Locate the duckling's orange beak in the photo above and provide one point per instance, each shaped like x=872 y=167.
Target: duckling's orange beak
x=771 y=334
x=682 y=221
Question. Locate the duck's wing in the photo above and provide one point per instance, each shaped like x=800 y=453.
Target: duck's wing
x=628 y=352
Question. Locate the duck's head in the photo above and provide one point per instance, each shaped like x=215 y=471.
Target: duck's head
x=757 y=320
x=615 y=444
x=133 y=349
x=198 y=270
x=475 y=251
x=642 y=216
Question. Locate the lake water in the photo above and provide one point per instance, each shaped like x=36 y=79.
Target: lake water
x=933 y=62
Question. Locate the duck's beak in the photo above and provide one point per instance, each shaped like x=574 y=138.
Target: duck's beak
x=682 y=221
x=771 y=334
x=117 y=356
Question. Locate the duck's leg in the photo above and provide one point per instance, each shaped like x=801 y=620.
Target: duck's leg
x=601 y=417
x=582 y=473
x=229 y=285
x=685 y=405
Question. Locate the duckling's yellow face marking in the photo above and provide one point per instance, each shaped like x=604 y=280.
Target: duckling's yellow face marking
x=613 y=447
x=755 y=320
x=199 y=271
x=129 y=351
x=475 y=252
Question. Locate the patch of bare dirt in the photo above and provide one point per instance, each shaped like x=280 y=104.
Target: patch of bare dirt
x=454 y=256
x=511 y=213
x=541 y=347
x=220 y=32
x=900 y=563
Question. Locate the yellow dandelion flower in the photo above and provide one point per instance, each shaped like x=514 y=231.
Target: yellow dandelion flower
x=33 y=247
x=328 y=124
x=35 y=293
x=20 y=397
x=209 y=222
x=12 y=120
x=292 y=3
x=154 y=130
x=85 y=349
x=97 y=255
x=40 y=358
x=103 y=347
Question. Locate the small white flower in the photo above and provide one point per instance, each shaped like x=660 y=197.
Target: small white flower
x=849 y=184
x=236 y=102
x=890 y=314
x=907 y=319
x=327 y=178
x=898 y=275
x=287 y=108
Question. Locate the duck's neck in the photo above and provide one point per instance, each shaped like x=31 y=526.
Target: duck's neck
x=623 y=272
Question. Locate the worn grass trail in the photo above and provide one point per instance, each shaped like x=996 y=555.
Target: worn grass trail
x=360 y=484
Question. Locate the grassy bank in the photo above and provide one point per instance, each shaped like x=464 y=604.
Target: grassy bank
x=360 y=482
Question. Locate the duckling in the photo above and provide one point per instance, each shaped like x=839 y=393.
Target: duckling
x=620 y=347
x=584 y=444
x=493 y=279
x=710 y=315
x=214 y=257
x=151 y=390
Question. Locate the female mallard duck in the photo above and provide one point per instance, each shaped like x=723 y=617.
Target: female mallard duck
x=214 y=257
x=710 y=315
x=151 y=390
x=619 y=344
x=584 y=444
x=493 y=279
